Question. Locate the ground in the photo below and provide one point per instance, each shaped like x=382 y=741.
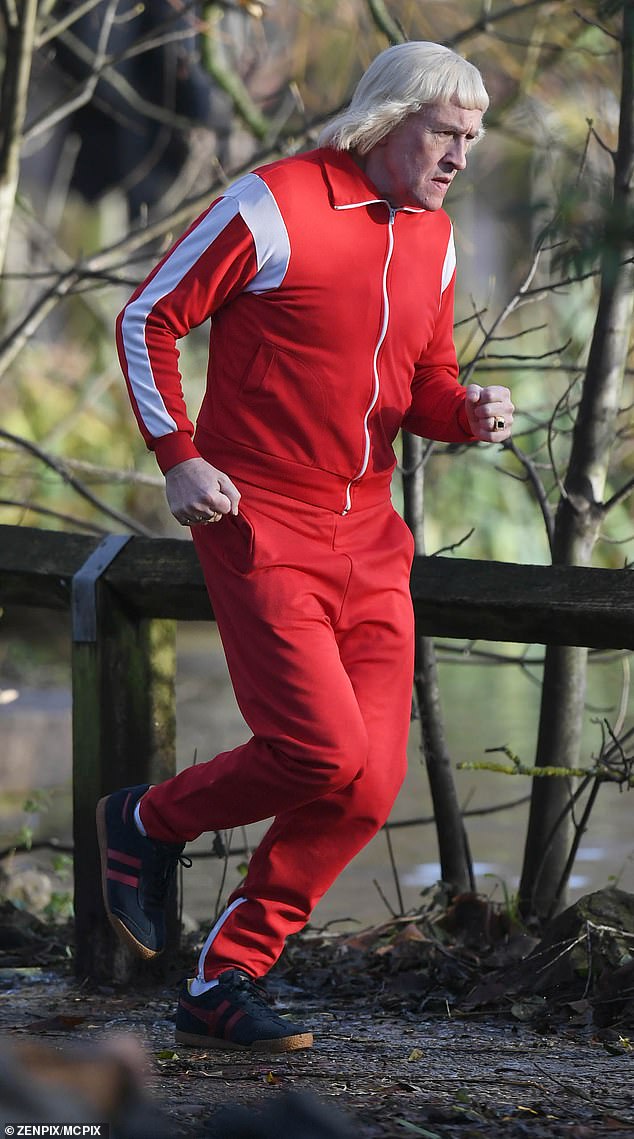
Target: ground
x=417 y=1032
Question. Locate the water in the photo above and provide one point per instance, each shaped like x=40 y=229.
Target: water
x=485 y=707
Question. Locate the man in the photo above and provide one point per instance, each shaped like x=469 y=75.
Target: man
x=329 y=280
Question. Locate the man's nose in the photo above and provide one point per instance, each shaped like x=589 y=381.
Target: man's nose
x=456 y=152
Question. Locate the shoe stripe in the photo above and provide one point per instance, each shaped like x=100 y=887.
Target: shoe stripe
x=126 y=879
x=128 y=859
x=231 y=1023
x=210 y=1017
x=124 y=809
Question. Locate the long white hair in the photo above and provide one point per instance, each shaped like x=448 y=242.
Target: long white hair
x=400 y=81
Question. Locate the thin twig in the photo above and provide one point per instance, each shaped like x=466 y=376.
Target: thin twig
x=61 y=469
x=538 y=488
x=71 y=519
x=394 y=868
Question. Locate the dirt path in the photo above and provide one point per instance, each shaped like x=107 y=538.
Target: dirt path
x=382 y=1061
x=447 y=1023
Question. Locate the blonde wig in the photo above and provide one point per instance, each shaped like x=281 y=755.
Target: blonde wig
x=400 y=81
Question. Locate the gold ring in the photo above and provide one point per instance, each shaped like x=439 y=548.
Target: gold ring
x=498 y=423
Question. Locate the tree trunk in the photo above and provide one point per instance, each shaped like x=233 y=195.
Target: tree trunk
x=455 y=861
x=19 y=20
x=579 y=516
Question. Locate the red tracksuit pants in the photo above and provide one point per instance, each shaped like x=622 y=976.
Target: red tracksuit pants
x=315 y=616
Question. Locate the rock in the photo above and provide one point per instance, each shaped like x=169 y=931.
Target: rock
x=18 y=928
x=586 y=954
x=28 y=889
x=590 y=939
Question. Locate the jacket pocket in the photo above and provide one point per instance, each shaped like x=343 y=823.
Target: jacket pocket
x=283 y=407
x=258 y=368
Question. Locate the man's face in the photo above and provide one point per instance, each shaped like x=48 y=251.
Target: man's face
x=417 y=162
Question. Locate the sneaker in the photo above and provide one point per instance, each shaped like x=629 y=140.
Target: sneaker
x=236 y=1014
x=136 y=873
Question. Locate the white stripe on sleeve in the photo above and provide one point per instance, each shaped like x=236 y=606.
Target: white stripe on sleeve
x=251 y=198
x=449 y=263
x=261 y=215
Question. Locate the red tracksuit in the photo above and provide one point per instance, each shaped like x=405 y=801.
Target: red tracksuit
x=331 y=327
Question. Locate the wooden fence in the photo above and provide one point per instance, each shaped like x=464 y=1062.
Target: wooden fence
x=124 y=595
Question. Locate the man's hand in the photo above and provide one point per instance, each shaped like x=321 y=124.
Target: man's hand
x=198 y=493
x=490 y=413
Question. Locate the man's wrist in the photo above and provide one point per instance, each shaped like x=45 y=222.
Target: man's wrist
x=463 y=421
x=175 y=448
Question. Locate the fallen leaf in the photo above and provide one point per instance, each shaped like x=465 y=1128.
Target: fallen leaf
x=59 y=1023
x=529 y=1008
x=414 y=1129
x=410 y=932
x=615 y=1048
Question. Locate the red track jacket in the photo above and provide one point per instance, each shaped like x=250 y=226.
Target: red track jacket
x=331 y=328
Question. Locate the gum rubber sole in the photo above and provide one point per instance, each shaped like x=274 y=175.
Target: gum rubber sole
x=284 y=1044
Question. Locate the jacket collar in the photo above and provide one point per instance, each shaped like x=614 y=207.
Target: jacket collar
x=348 y=185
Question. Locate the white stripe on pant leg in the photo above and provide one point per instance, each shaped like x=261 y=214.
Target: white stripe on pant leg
x=199 y=984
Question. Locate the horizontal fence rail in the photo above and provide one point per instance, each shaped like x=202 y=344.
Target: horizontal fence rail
x=453 y=597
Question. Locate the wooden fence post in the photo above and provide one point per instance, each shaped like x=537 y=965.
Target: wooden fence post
x=124 y=729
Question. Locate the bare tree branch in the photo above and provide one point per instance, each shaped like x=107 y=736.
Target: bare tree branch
x=487 y=21
x=13 y=343
x=538 y=488
x=71 y=519
x=386 y=22
x=87 y=89
x=114 y=256
x=67 y=21
x=619 y=496
x=503 y=315
x=229 y=80
x=60 y=467
x=20 y=33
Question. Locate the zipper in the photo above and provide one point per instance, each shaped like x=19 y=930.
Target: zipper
x=375 y=365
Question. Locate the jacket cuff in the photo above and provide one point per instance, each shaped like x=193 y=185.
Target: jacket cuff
x=463 y=422
x=175 y=448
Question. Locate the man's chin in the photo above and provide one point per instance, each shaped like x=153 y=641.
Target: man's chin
x=431 y=202
x=437 y=195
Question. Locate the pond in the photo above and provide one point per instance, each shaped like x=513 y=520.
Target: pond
x=486 y=706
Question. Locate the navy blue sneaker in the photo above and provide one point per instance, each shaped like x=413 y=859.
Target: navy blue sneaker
x=236 y=1014
x=136 y=873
